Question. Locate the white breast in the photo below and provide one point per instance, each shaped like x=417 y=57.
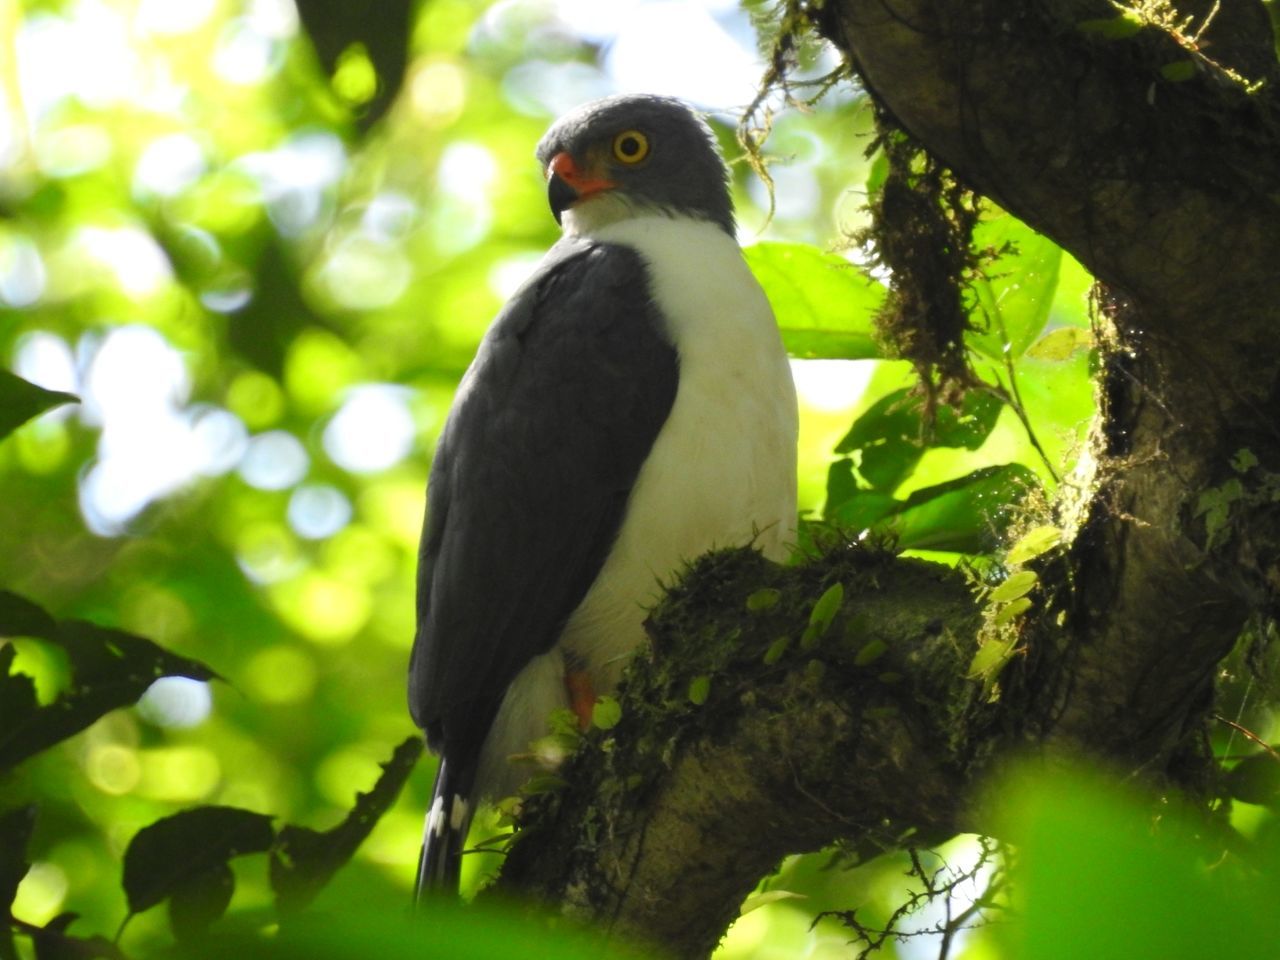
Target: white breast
x=721 y=473
x=723 y=469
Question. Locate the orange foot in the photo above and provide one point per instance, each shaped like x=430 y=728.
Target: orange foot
x=582 y=698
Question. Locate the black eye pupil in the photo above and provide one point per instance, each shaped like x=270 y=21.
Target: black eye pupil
x=630 y=146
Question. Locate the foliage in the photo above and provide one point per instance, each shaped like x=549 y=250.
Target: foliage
x=263 y=316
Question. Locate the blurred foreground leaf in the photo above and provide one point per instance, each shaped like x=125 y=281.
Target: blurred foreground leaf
x=52 y=942
x=185 y=855
x=15 y=832
x=438 y=931
x=303 y=860
x=1101 y=874
x=110 y=669
x=20 y=401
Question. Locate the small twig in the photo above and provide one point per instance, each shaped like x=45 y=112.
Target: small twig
x=1250 y=734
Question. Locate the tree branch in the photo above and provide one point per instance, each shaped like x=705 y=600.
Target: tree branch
x=671 y=817
x=1162 y=183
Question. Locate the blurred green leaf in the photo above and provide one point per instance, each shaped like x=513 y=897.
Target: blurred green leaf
x=19 y=617
x=52 y=942
x=763 y=599
x=699 y=690
x=1104 y=875
x=16 y=827
x=263 y=330
x=198 y=900
x=163 y=858
x=20 y=401
x=439 y=930
x=1255 y=779
x=110 y=669
x=870 y=652
x=304 y=860
x=606 y=713
x=825 y=305
x=1126 y=24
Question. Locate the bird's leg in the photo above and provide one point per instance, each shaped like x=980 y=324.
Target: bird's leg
x=582 y=697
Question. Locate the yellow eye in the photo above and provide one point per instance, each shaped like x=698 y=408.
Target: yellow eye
x=631 y=146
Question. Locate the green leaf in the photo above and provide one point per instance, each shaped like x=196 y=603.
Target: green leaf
x=543 y=783
x=1126 y=24
x=606 y=713
x=965 y=515
x=991 y=656
x=1180 y=71
x=809 y=637
x=52 y=942
x=1033 y=543
x=20 y=401
x=764 y=599
x=1016 y=291
x=1061 y=344
x=16 y=826
x=110 y=669
x=1012 y=610
x=19 y=617
x=758 y=900
x=198 y=900
x=890 y=434
x=699 y=690
x=1016 y=585
x=304 y=860
x=862 y=510
x=1104 y=874
x=828 y=605
x=164 y=856
x=776 y=650
x=869 y=652
x=1244 y=460
x=825 y=305
x=1255 y=779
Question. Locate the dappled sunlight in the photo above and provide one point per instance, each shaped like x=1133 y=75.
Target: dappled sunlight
x=372 y=431
x=178 y=703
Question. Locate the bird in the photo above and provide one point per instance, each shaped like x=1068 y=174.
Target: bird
x=630 y=408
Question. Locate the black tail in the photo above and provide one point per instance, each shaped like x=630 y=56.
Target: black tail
x=444 y=834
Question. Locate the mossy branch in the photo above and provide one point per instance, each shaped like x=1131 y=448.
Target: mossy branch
x=766 y=719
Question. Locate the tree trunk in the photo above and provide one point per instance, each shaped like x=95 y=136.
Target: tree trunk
x=1153 y=159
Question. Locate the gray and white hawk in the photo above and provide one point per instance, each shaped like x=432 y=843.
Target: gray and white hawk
x=629 y=409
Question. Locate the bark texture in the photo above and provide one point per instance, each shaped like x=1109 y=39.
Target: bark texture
x=1151 y=157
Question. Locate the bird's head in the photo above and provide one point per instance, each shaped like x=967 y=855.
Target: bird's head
x=632 y=155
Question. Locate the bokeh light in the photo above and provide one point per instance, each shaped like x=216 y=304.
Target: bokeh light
x=178 y=703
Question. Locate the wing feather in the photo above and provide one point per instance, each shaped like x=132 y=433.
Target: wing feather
x=531 y=477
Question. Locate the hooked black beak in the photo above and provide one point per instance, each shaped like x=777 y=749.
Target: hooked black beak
x=560 y=195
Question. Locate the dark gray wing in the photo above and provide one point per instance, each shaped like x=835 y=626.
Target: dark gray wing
x=531 y=477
